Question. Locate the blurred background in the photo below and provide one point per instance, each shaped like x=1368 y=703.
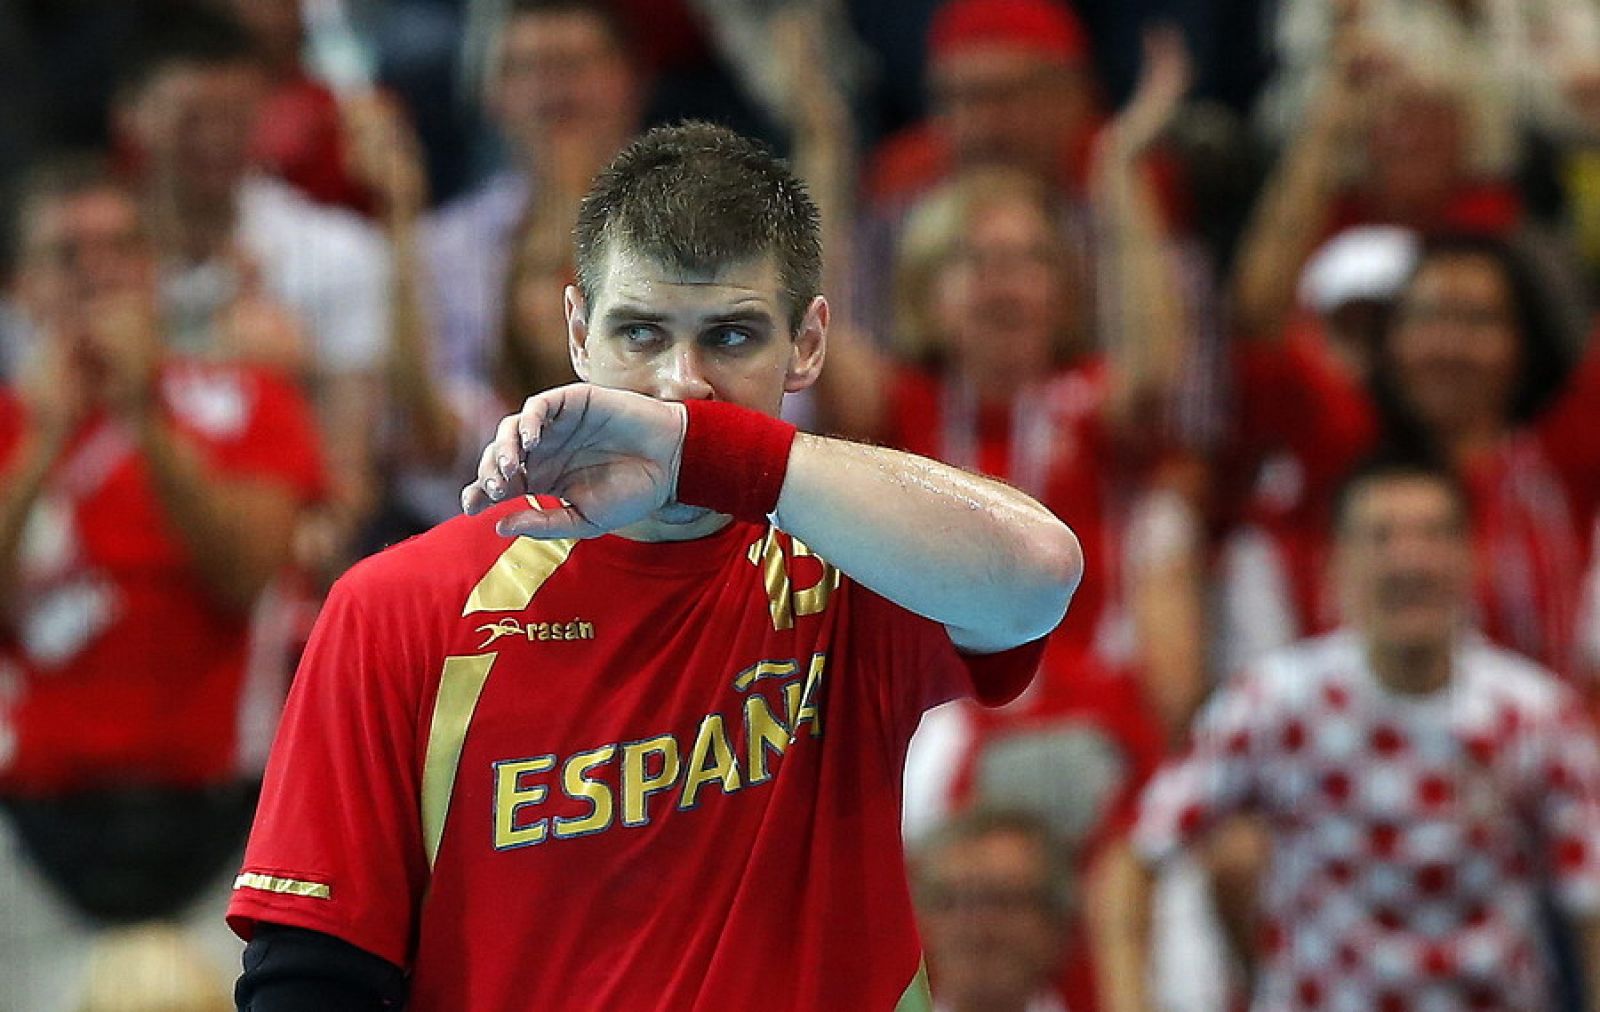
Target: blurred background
x=270 y=270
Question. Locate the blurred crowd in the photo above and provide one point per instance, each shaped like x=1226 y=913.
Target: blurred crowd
x=1284 y=305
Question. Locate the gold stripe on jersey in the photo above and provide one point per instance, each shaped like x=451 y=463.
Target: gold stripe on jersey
x=517 y=575
x=460 y=685
x=286 y=886
x=768 y=554
x=786 y=601
x=917 y=997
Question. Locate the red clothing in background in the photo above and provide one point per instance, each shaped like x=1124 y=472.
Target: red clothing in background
x=128 y=669
x=1305 y=422
x=299 y=138
x=908 y=164
x=1489 y=207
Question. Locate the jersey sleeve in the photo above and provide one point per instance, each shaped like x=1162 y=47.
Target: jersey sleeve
x=921 y=667
x=1213 y=780
x=1567 y=784
x=337 y=841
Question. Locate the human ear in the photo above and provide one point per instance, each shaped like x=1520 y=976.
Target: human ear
x=809 y=348
x=577 y=331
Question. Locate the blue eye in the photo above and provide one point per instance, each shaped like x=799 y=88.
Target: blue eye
x=639 y=335
x=731 y=337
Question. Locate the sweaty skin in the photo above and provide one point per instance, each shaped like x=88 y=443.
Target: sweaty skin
x=990 y=563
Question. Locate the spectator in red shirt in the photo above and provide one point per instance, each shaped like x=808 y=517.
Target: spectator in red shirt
x=1383 y=141
x=1074 y=752
x=188 y=102
x=1471 y=370
x=145 y=503
x=1005 y=366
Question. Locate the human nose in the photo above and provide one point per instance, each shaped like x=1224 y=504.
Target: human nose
x=682 y=378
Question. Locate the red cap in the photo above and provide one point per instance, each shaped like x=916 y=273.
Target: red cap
x=1038 y=26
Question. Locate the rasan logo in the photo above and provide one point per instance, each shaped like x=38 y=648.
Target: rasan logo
x=576 y=629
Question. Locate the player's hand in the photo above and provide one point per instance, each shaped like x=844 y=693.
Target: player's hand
x=610 y=454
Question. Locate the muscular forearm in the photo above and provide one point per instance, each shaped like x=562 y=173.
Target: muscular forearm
x=235 y=549
x=994 y=566
x=20 y=486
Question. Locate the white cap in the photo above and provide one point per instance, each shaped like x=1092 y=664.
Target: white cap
x=1368 y=262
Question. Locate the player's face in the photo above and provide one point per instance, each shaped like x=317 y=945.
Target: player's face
x=681 y=336
x=984 y=912
x=1404 y=563
x=1455 y=348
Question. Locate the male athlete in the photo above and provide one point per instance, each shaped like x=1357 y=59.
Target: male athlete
x=639 y=746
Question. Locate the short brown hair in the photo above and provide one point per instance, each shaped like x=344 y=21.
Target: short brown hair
x=1398 y=466
x=700 y=197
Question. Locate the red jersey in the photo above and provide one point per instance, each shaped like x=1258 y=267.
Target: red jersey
x=125 y=665
x=608 y=775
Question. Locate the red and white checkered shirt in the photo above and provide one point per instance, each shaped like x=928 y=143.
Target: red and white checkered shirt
x=1411 y=834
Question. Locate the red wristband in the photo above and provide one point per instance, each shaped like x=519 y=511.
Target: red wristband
x=733 y=460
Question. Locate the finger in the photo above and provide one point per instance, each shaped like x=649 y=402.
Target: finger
x=562 y=522
x=507 y=448
x=474 y=500
x=494 y=485
x=536 y=414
